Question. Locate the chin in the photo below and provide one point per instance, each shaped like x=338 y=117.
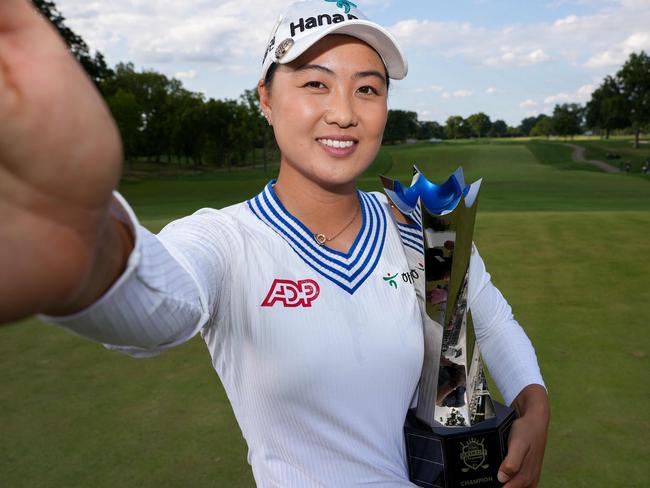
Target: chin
x=338 y=181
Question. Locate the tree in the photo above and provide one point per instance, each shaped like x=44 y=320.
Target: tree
x=634 y=82
x=465 y=130
x=153 y=92
x=185 y=125
x=430 y=130
x=479 y=124
x=263 y=133
x=528 y=123
x=543 y=127
x=94 y=65
x=567 y=119
x=401 y=125
x=454 y=127
x=499 y=129
x=514 y=132
x=127 y=115
x=607 y=109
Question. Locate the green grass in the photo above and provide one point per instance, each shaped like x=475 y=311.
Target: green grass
x=557 y=155
x=578 y=283
x=520 y=179
x=598 y=149
x=568 y=248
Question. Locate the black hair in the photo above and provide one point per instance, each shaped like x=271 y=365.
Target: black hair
x=270 y=73
x=268 y=79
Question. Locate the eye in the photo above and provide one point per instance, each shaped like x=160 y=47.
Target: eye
x=315 y=84
x=368 y=90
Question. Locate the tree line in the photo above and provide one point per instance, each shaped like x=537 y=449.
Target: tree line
x=158 y=118
x=161 y=120
x=621 y=102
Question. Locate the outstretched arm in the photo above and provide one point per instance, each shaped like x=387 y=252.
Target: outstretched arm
x=60 y=158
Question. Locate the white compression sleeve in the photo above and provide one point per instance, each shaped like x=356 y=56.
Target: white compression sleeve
x=507 y=351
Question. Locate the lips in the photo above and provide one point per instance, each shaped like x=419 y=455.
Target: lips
x=338 y=146
x=336 y=143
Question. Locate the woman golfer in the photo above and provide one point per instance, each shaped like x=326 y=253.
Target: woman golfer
x=319 y=356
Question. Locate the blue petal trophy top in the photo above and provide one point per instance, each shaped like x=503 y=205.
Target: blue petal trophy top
x=437 y=199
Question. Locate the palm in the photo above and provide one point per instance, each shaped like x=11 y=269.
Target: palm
x=59 y=160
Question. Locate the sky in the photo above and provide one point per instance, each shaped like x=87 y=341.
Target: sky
x=509 y=59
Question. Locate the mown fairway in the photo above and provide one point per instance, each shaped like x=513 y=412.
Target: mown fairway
x=568 y=247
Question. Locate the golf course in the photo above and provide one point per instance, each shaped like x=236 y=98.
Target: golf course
x=566 y=243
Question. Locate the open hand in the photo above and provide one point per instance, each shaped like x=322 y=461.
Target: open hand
x=60 y=158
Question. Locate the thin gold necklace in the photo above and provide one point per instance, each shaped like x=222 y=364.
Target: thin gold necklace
x=322 y=238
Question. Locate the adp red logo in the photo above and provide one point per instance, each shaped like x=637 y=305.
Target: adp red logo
x=292 y=294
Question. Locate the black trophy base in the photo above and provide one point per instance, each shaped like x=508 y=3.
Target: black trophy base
x=446 y=457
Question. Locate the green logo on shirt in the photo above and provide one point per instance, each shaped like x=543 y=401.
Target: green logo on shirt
x=391 y=280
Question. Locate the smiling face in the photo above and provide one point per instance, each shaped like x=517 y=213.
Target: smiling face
x=328 y=109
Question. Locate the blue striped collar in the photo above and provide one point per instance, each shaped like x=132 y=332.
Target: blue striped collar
x=411 y=234
x=347 y=270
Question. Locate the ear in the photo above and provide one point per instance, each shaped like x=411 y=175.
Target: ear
x=265 y=100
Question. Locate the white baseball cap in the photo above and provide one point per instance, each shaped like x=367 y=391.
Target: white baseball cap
x=307 y=22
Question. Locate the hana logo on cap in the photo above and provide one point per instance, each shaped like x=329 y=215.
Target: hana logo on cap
x=305 y=22
x=343 y=4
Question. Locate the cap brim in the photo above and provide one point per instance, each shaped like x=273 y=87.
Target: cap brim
x=374 y=35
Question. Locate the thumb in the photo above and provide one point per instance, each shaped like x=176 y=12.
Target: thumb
x=16 y=14
x=512 y=463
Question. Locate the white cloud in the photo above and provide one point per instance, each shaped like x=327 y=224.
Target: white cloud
x=443 y=92
x=172 y=31
x=217 y=39
x=574 y=38
x=430 y=88
x=637 y=42
x=230 y=34
x=517 y=57
x=185 y=75
x=617 y=55
x=582 y=95
x=538 y=56
x=528 y=104
x=571 y=19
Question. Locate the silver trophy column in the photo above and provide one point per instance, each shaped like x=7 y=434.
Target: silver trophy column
x=454 y=404
x=462 y=398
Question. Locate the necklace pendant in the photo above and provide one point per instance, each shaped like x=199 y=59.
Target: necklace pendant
x=320 y=238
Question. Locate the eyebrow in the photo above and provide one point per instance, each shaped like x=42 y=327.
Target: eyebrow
x=317 y=67
x=360 y=74
x=365 y=74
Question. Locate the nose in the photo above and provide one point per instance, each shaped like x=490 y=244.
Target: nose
x=341 y=110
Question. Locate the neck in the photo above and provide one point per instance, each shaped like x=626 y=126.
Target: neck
x=323 y=210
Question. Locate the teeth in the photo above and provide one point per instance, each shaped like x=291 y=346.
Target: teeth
x=336 y=144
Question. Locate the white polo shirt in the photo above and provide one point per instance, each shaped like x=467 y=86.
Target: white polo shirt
x=319 y=351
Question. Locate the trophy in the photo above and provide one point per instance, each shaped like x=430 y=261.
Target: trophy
x=457 y=435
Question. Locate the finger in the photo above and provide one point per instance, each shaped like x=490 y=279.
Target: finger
x=24 y=29
x=527 y=477
x=16 y=14
x=517 y=450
